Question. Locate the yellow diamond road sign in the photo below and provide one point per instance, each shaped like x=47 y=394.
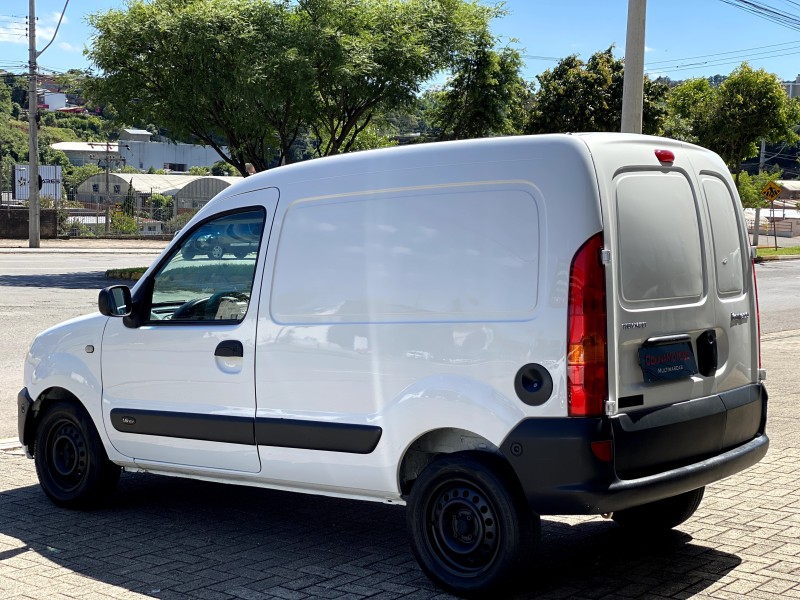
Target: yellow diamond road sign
x=771 y=191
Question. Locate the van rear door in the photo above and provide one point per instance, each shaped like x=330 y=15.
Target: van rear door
x=681 y=313
x=682 y=323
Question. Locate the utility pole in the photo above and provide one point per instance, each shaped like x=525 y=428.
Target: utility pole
x=633 y=82
x=108 y=194
x=757 y=223
x=33 y=137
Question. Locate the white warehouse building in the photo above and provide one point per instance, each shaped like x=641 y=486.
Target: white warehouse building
x=135 y=149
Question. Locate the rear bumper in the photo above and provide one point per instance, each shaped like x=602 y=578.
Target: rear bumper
x=657 y=453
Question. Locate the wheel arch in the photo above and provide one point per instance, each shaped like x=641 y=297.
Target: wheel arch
x=436 y=443
x=40 y=404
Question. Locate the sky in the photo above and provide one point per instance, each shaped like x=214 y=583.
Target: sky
x=684 y=38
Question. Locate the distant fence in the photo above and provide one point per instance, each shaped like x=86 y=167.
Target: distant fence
x=786 y=228
x=124 y=215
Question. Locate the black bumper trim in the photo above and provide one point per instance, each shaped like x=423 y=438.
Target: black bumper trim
x=559 y=474
x=25 y=417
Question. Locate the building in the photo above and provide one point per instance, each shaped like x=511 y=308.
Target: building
x=51 y=100
x=198 y=192
x=792 y=88
x=189 y=191
x=135 y=149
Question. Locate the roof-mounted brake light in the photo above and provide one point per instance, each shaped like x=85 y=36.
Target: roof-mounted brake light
x=666 y=156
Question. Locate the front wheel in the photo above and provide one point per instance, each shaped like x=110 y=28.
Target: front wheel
x=661 y=515
x=470 y=529
x=72 y=465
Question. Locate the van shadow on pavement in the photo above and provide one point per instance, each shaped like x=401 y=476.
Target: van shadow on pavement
x=68 y=281
x=172 y=538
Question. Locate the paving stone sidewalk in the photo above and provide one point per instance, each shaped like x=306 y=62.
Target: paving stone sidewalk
x=170 y=538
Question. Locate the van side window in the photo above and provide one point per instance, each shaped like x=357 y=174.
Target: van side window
x=209 y=277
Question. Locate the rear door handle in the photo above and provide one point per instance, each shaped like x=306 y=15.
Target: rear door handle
x=229 y=349
x=707 y=353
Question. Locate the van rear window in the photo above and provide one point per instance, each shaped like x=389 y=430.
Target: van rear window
x=659 y=239
x=431 y=255
x=729 y=262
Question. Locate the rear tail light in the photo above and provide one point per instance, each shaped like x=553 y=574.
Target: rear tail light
x=587 y=371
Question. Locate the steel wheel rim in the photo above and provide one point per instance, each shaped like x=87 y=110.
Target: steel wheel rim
x=217 y=252
x=462 y=528
x=67 y=453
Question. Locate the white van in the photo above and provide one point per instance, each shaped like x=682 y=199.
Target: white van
x=486 y=331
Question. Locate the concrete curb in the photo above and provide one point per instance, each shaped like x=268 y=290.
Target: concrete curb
x=10 y=444
x=142 y=251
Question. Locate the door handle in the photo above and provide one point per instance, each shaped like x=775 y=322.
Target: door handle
x=230 y=349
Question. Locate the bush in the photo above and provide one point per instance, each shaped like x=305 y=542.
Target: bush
x=123 y=224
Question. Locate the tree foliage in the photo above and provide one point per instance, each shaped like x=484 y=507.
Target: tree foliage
x=578 y=96
x=486 y=94
x=750 y=187
x=253 y=76
x=733 y=117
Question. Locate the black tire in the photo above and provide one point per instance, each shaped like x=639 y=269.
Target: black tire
x=661 y=515
x=72 y=465
x=241 y=253
x=471 y=531
x=216 y=252
x=187 y=254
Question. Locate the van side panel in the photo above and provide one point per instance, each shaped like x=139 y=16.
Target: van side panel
x=410 y=294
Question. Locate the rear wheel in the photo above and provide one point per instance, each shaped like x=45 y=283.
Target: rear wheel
x=660 y=515
x=72 y=465
x=216 y=252
x=471 y=531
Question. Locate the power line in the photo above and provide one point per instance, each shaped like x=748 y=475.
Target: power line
x=766 y=12
x=776 y=46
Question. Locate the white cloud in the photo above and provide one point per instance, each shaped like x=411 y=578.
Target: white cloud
x=67 y=47
x=13 y=30
x=648 y=49
x=55 y=16
x=11 y=36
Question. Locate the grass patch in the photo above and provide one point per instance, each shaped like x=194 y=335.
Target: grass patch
x=132 y=274
x=765 y=252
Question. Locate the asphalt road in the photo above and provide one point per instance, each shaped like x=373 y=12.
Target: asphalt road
x=38 y=291
x=779 y=295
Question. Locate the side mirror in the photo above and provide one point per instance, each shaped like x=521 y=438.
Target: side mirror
x=115 y=301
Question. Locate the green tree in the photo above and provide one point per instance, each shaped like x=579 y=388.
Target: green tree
x=71 y=82
x=486 y=94
x=163 y=206
x=199 y=171
x=123 y=224
x=750 y=187
x=578 y=96
x=254 y=76
x=74 y=176
x=750 y=105
x=222 y=169
x=6 y=105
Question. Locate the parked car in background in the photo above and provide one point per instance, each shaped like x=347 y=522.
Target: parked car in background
x=239 y=240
